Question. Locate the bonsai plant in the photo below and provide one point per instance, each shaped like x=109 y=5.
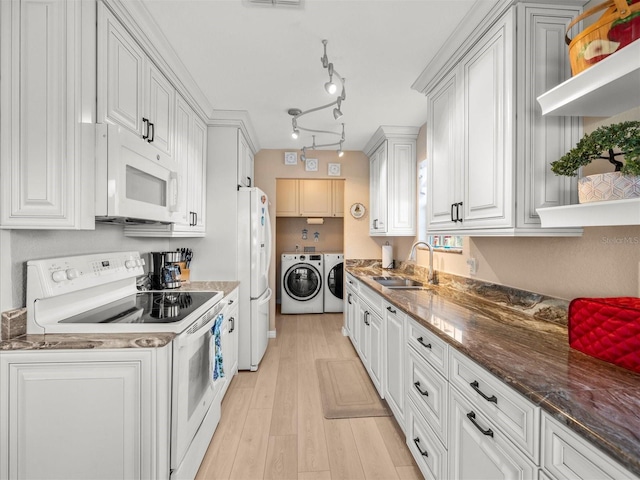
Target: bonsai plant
x=606 y=142
x=602 y=143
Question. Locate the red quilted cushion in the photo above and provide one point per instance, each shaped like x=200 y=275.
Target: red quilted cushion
x=607 y=328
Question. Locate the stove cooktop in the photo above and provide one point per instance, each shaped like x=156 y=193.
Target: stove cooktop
x=145 y=308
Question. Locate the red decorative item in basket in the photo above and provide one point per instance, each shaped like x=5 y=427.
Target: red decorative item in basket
x=607 y=328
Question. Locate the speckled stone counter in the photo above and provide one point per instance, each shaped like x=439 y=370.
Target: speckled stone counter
x=524 y=343
x=14 y=325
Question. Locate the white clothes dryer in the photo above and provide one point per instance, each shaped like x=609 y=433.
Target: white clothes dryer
x=333 y=282
x=301 y=282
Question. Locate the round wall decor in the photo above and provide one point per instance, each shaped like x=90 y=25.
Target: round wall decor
x=358 y=210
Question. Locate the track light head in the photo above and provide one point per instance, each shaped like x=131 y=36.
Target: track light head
x=330 y=87
x=337 y=113
x=340 y=152
x=295 y=133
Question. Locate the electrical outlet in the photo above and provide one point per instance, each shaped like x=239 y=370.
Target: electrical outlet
x=473 y=266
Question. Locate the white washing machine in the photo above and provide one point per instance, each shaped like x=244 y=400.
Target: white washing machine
x=333 y=282
x=301 y=282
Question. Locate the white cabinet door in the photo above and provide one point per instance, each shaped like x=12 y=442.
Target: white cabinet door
x=477 y=450
x=230 y=347
x=541 y=138
x=351 y=313
x=160 y=102
x=443 y=153
x=378 y=190
x=245 y=162
x=132 y=92
x=197 y=187
x=120 y=74
x=183 y=128
x=488 y=119
x=376 y=352
x=85 y=414
x=401 y=192
x=46 y=179
x=394 y=355
x=363 y=335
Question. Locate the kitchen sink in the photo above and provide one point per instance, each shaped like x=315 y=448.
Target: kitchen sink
x=399 y=283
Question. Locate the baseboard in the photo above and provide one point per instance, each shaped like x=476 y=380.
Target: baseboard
x=272 y=334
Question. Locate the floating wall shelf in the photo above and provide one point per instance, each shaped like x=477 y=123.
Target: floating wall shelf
x=594 y=214
x=609 y=87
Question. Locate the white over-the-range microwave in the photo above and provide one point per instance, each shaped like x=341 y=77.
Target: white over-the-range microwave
x=135 y=182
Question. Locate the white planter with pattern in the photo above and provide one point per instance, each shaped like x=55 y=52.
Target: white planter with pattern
x=607 y=186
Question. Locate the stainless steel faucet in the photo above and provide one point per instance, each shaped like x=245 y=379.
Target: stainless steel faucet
x=411 y=258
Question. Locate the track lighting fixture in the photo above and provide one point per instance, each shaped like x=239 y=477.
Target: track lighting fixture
x=336 y=111
x=331 y=88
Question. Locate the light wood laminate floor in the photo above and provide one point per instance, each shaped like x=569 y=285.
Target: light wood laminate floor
x=272 y=425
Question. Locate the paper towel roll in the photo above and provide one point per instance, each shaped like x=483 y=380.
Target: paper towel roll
x=387 y=256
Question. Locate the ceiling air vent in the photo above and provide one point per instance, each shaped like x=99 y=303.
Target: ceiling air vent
x=277 y=2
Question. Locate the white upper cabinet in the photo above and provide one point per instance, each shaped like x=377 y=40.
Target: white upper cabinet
x=245 y=163
x=488 y=145
x=190 y=158
x=132 y=92
x=46 y=181
x=392 y=181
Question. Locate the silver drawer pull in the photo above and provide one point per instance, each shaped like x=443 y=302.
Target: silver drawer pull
x=421 y=342
x=472 y=416
x=422 y=392
x=476 y=387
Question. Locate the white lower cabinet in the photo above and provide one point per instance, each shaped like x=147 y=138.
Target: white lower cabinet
x=478 y=449
x=369 y=342
x=461 y=421
x=394 y=357
x=567 y=456
x=429 y=392
x=350 y=312
x=230 y=338
x=429 y=454
x=85 y=414
x=516 y=416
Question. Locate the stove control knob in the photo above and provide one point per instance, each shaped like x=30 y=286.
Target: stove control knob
x=59 y=276
x=72 y=273
x=130 y=264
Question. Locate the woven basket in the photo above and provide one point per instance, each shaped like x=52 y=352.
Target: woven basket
x=618 y=26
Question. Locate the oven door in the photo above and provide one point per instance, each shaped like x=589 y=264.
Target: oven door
x=133 y=180
x=193 y=387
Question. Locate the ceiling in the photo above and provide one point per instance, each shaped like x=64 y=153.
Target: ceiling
x=265 y=59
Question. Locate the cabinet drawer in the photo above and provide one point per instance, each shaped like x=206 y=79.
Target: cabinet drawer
x=232 y=298
x=353 y=283
x=427 y=451
x=429 y=392
x=506 y=408
x=429 y=346
x=567 y=456
x=373 y=299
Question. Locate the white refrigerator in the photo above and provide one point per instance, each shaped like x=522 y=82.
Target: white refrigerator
x=254 y=258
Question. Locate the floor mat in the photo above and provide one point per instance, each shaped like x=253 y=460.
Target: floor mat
x=347 y=391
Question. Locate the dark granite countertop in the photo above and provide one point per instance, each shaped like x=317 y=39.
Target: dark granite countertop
x=530 y=353
x=14 y=323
